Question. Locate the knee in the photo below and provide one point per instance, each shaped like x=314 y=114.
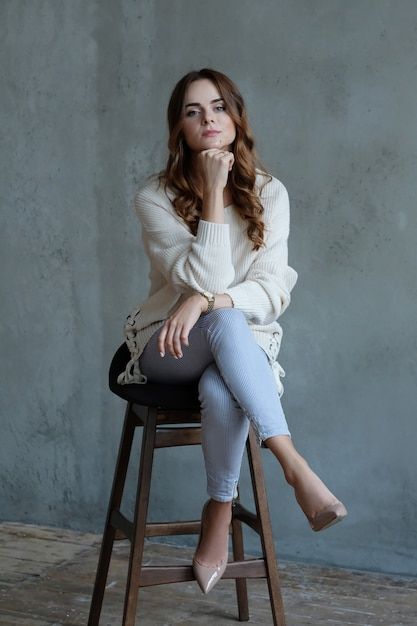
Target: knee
x=228 y=313
x=226 y=317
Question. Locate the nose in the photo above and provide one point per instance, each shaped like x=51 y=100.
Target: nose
x=208 y=117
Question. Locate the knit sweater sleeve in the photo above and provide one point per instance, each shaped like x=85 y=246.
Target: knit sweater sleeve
x=201 y=262
x=265 y=293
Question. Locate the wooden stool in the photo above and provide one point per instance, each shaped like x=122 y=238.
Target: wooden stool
x=160 y=409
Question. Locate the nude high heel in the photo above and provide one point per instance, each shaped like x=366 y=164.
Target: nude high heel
x=328 y=516
x=208 y=575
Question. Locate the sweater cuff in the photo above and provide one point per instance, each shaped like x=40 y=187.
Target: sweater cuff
x=242 y=299
x=212 y=233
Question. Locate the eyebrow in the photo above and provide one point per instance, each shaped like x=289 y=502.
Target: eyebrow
x=197 y=104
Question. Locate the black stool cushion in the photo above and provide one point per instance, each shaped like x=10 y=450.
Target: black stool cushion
x=151 y=394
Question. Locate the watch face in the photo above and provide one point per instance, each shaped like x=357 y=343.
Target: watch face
x=208 y=295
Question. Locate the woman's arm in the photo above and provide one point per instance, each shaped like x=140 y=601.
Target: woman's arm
x=177 y=327
x=190 y=263
x=222 y=301
x=265 y=293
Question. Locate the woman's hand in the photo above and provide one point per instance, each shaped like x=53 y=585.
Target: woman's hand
x=215 y=165
x=177 y=327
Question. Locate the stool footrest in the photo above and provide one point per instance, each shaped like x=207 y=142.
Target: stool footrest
x=124 y=527
x=164 y=529
x=152 y=575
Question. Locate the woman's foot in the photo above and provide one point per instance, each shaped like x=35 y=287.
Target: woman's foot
x=210 y=558
x=317 y=502
x=215 y=524
x=319 y=505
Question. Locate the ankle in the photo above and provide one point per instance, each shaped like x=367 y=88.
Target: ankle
x=295 y=469
x=219 y=510
x=293 y=464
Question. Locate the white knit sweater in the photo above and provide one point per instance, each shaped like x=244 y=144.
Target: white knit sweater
x=218 y=259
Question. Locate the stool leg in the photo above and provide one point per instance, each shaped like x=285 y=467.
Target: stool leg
x=239 y=555
x=268 y=549
x=139 y=522
x=114 y=504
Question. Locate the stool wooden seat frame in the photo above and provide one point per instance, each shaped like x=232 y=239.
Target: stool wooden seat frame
x=161 y=428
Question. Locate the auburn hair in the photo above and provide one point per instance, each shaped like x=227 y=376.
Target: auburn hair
x=178 y=174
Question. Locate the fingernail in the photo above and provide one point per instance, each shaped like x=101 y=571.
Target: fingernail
x=162 y=354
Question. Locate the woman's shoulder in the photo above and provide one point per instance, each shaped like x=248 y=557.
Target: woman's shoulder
x=269 y=186
x=153 y=188
x=153 y=203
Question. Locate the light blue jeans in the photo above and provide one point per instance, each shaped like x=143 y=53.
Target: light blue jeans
x=236 y=387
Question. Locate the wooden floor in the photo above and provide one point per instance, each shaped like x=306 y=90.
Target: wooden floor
x=46 y=578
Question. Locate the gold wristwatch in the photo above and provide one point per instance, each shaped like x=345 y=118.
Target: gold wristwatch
x=210 y=299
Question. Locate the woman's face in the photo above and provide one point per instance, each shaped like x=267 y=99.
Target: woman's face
x=203 y=110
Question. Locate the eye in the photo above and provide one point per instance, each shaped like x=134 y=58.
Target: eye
x=191 y=113
x=220 y=106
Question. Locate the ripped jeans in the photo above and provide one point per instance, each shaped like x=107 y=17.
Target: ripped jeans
x=236 y=387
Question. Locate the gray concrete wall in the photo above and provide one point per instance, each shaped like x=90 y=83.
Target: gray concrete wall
x=331 y=92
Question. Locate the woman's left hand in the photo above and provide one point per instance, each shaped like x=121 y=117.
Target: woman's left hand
x=176 y=329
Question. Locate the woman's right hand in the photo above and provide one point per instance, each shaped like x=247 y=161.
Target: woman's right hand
x=215 y=165
x=178 y=325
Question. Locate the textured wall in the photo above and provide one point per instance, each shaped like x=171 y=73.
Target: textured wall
x=331 y=91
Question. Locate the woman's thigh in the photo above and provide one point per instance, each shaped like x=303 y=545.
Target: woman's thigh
x=169 y=370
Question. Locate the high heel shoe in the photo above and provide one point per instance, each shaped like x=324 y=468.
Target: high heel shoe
x=208 y=575
x=328 y=516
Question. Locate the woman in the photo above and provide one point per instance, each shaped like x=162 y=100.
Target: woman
x=215 y=228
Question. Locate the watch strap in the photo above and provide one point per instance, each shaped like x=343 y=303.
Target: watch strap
x=210 y=299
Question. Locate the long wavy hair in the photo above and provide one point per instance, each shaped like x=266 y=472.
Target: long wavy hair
x=178 y=173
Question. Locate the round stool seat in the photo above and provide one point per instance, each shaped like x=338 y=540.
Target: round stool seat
x=181 y=397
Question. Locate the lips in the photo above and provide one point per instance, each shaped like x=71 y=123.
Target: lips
x=211 y=133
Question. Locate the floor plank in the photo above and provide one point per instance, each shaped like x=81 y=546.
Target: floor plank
x=47 y=574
